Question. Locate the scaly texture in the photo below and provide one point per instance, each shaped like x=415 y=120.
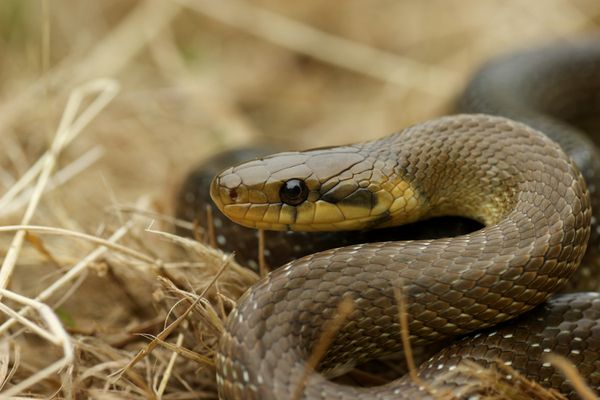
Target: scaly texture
x=513 y=179
x=556 y=90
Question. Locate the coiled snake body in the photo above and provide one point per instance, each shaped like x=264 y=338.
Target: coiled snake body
x=519 y=184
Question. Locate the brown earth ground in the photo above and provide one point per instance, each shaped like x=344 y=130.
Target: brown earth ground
x=125 y=96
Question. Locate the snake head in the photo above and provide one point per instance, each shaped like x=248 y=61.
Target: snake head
x=341 y=188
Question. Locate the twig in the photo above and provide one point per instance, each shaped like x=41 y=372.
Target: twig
x=5 y=361
x=210 y=227
x=108 y=90
x=169 y=329
x=405 y=334
x=69 y=127
x=27 y=323
x=191 y=355
x=167 y=375
x=262 y=265
x=72 y=273
x=406 y=346
x=50 y=230
x=330 y=329
x=156 y=216
x=570 y=372
x=58 y=179
x=55 y=334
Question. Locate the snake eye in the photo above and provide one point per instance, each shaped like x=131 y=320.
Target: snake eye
x=293 y=192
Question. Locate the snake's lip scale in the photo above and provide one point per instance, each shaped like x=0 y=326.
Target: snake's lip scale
x=537 y=214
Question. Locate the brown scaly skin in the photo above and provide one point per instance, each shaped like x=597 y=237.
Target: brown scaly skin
x=568 y=324
x=556 y=90
x=517 y=182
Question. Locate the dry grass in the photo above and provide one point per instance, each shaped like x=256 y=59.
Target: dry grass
x=94 y=171
x=497 y=382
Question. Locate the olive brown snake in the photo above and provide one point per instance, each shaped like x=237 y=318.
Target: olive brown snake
x=528 y=194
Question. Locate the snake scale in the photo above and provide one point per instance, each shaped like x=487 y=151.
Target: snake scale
x=524 y=189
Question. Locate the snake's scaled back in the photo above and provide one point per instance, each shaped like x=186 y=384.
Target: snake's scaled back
x=555 y=89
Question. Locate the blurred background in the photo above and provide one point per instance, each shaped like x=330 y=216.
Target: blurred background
x=200 y=76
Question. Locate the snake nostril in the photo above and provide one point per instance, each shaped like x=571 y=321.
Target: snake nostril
x=233 y=194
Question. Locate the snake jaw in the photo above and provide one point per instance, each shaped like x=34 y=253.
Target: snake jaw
x=224 y=188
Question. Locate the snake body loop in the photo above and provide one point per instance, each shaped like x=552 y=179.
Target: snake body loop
x=519 y=184
x=556 y=90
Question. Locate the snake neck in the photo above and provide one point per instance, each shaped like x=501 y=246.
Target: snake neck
x=449 y=173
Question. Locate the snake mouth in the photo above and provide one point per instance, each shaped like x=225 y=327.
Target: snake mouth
x=226 y=189
x=259 y=205
x=250 y=216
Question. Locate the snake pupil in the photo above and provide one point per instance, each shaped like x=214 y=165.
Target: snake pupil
x=293 y=192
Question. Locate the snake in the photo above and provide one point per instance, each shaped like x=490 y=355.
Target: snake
x=511 y=161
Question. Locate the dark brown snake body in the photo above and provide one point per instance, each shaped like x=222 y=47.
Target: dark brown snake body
x=519 y=184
